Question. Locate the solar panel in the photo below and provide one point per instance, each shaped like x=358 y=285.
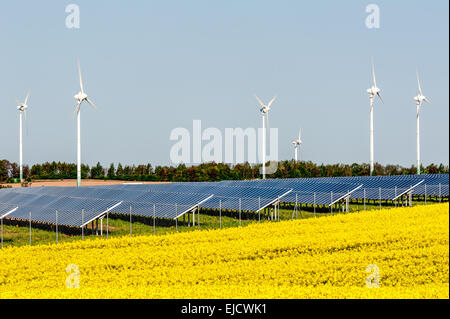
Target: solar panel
x=172 y=200
x=306 y=191
x=244 y=198
x=6 y=209
x=433 y=185
x=391 y=186
x=74 y=211
x=95 y=201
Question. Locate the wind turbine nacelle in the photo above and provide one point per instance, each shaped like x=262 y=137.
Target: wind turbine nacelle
x=22 y=107
x=80 y=96
x=419 y=98
x=265 y=110
x=373 y=91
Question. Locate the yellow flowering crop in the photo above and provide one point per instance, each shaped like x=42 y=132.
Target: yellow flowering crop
x=403 y=251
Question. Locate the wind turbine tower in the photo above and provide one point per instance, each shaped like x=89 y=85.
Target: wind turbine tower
x=80 y=97
x=297 y=145
x=265 y=117
x=22 y=108
x=419 y=99
x=374 y=90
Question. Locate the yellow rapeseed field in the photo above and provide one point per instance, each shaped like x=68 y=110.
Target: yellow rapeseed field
x=403 y=251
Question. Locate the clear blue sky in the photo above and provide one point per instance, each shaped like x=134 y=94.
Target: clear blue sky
x=151 y=66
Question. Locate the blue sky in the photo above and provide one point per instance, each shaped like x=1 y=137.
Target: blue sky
x=152 y=66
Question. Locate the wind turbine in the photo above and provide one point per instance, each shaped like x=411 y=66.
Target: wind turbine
x=22 y=107
x=265 y=116
x=419 y=99
x=297 y=144
x=80 y=97
x=374 y=90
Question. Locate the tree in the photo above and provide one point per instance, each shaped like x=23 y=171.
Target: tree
x=111 y=172
x=97 y=171
x=119 y=172
x=3 y=171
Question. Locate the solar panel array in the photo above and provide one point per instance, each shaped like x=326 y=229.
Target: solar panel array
x=435 y=185
x=306 y=191
x=43 y=207
x=77 y=206
x=243 y=198
x=394 y=186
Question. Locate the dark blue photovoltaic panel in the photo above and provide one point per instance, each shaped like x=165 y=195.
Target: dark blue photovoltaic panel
x=434 y=185
x=399 y=181
x=317 y=198
x=43 y=207
x=73 y=199
x=6 y=209
x=226 y=197
x=171 y=200
x=297 y=185
x=392 y=186
x=305 y=191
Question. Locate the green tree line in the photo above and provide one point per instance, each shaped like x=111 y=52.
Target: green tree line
x=202 y=172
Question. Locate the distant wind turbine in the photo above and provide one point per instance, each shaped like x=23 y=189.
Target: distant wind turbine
x=374 y=90
x=298 y=144
x=265 y=115
x=419 y=99
x=22 y=107
x=80 y=97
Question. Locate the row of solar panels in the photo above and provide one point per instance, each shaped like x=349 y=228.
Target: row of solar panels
x=78 y=206
x=78 y=211
x=174 y=200
x=370 y=187
x=245 y=198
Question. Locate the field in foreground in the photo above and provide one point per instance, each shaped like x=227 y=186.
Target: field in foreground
x=326 y=257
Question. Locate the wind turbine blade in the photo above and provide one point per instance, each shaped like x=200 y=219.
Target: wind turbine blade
x=18 y=102
x=418 y=82
x=379 y=95
x=373 y=75
x=91 y=103
x=259 y=101
x=76 y=110
x=271 y=101
x=300 y=134
x=81 y=79
x=427 y=100
x=26 y=99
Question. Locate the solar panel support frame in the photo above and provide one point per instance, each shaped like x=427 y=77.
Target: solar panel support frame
x=345 y=195
x=10 y=212
x=101 y=214
x=408 y=190
x=194 y=207
x=274 y=201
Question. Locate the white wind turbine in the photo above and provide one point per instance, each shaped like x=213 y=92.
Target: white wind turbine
x=265 y=116
x=80 y=97
x=22 y=107
x=298 y=144
x=374 y=90
x=419 y=99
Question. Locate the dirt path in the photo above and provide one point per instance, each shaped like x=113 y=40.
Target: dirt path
x=84 y=182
